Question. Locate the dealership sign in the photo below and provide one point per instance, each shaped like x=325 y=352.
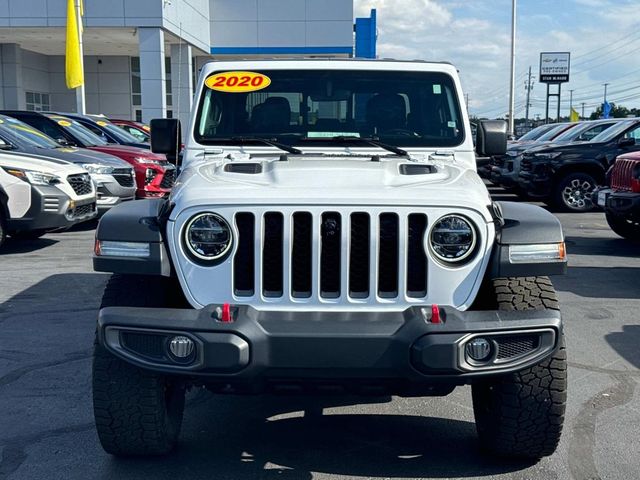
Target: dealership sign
x=554 y=67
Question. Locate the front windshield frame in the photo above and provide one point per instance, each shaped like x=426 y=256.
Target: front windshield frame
x=612 y=132
x=22 y=132
x=441 y=83
x=79 y=131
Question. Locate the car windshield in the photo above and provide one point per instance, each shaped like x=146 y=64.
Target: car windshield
x=117 y=132
x=611 y=133
x=535 y=133
x=20 y=131
x=413 y=109
x=82 y=133
x=551 y=134
x=583 y=132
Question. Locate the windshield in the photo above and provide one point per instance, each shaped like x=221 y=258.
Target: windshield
x=535 y=133
x=82 y=133
x=551 y=134
x=20 y=131
x=418 y=109
x=117 y=132
x=611 y=133
x=583 y=132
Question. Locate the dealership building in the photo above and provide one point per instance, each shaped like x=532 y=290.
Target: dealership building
x=142 y=57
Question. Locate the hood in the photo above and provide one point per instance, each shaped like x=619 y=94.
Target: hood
x=77 y=155
x=329 y=181
x=39 y=164
x=129 y=152
x=551 y=147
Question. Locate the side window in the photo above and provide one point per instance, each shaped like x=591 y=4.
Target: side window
x=592 y=132
x=634 y=133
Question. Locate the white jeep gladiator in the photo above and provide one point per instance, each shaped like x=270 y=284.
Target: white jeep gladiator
x=329 y=233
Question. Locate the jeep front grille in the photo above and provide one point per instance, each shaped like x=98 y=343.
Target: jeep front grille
x=622 y=173
x=330 y=255
x=81 y=183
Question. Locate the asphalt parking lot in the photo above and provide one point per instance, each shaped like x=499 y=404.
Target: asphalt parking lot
x=48 y=303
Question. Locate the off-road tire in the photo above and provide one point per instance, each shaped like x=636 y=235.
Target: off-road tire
x=625 y=228
x=137 y=412
x=570 y=181
x=521 y=414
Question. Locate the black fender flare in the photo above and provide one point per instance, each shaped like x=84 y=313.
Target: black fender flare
x=524 y=224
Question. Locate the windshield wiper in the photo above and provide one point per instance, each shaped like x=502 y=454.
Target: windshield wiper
x=367 y=140
x=265 y=141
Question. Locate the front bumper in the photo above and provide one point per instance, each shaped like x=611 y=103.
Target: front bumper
x=534 y=184
x=110 y=193
x=262 y=348
x=52 y=209
x=623 y=204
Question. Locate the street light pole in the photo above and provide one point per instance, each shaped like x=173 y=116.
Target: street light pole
x=512 y=100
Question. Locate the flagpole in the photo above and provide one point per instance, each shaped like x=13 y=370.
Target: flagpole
x=81 y=106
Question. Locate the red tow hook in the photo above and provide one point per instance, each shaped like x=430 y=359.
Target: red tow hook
x=435 y=314
x=223 y=314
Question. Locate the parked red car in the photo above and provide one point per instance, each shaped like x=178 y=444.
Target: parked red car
x=155 y=176
x=139 y=130
x=621 y=201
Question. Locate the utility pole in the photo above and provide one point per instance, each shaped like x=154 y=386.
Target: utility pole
x=582 y=110
x=528 y=86
x=570 y=102
x=512 y=99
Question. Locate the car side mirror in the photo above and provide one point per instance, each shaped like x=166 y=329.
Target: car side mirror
x=491 y=138
x=626 y=142
x=64 y=142
x=166 y=134
x=5 y=146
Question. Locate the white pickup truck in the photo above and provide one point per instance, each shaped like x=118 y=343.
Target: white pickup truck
x=329 y=233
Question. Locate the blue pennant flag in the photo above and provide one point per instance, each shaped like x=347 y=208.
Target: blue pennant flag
x=606 y=110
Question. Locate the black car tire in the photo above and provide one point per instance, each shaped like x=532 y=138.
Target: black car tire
x=3 y=228
x=628 y=229
x=520 y=415
x=572 y=193
x=137 y=412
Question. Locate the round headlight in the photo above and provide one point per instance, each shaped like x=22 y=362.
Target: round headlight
x=208 y=236
x=452 y=238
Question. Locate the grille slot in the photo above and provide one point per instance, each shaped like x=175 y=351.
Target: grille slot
x=416 y=256
x=124 y=177
x=272 y=255
x=83 y=210
x=50 y=204
x=388 y=258
x=301 y=261
x=81 y=183
x=359 y=255
x=168 y=179
x=513 y=346
x=244 y=262
x=330 y=233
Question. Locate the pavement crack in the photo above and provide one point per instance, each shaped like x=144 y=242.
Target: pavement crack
x=607 y=371
x=18 y=373
x=582 y=444
x=14 y=449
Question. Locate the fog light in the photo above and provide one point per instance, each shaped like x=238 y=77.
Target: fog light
x=478 y=349
x=181 y=347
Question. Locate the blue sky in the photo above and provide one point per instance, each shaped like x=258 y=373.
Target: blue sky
x=603 y=37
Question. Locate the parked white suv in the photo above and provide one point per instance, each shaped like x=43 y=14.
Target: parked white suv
x=329 y=233
x=38 y=195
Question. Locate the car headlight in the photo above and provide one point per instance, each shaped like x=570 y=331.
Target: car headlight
x=152 y=161
x=547 y=155
x=97 y=168
x=452 y=239
x=208 y=236
x=34 y=177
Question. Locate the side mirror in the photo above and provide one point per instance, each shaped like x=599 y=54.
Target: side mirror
x=64 y=142
x=166 y=134
x=5 y=146
x=626 y=142
x=491 y=138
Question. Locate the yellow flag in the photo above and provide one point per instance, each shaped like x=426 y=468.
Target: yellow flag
x=575 y=116
x=73 y=64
